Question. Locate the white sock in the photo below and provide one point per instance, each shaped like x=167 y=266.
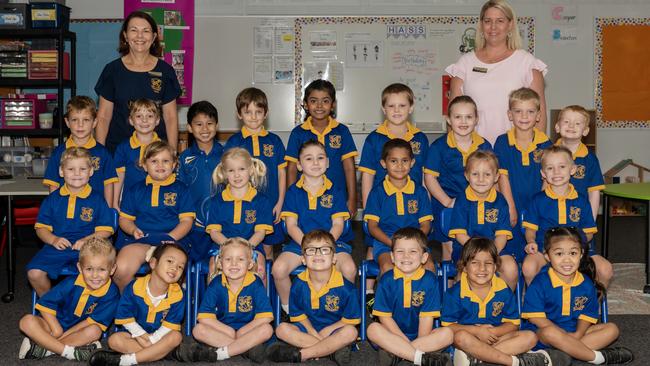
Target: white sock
x=48 y=353
x=285 y=307
x=128 y=359
x=68 y=352
x=222 y=353
x=370 y=291
x=599 y=360
x=417 y=359
x=515 y=361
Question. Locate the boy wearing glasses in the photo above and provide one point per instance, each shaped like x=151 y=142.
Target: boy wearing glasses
x=323 y=308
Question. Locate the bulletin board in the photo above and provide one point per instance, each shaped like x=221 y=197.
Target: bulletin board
x=622 y=77
x=362 y=55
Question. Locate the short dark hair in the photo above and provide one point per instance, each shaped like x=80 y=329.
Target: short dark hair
x=318 y=235
x=155 y=48
x=202 y=107
x=475 y=245
x=308 y=143
x=397 y=88
x=460 y=100
x=412 y=234
x=322 y=85
x=162 y=248
x=252 y=95
x=396 y=144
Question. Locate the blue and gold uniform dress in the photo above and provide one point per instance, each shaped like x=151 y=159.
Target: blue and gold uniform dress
x=407 y=299
x=394 y=208
x=72 y=301
x=446 y=161
x=71 y=216
x=127 y=160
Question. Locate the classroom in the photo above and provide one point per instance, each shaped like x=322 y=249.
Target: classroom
x=576 y=61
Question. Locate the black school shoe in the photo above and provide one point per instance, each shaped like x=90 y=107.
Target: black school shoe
x=256 y=354
x=554 y=357
x=342 y=357
x=386 y=358
x=29 y=350
x=105 y=358
x=282 y=352
x=83 y=353
x=194 y=352
x=617 y=355
x=436 y=359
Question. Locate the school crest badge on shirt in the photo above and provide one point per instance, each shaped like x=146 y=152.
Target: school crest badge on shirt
x=574 y=213
x=86 y=214
x=537 y=155
x=90 y=309
x=416 y=146
x=417 y=298
x=335 y=141
x=492 y=215
x=251 y=216
x=170 y=199
x=326 y=201
x=579 y=303
x=332 y=303
x=412 y=206
x=94 y=161
x=156 y=85
x=268 y=150
x=244 y=304
x=497 y=308
x=580 y=171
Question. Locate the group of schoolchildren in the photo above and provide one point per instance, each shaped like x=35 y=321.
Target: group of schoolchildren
x=529 y=203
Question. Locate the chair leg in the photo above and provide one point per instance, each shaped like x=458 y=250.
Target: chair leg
x=34 y=298
x=196 y=284
x=364 y=272
x=604 y=310
x=189 y=301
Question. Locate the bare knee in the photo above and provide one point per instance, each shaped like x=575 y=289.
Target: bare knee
x=347 y=332
x=115 y=341
x=528 y=337
x=280 y=269
x=529 y=269
x=175 y=338
x=27 y=322
x=282 y=330
x=92 y=332
x=199 y=332
x=374 y=329
x=604 y=271
x=265 y=330
x=550 y=335
x=462 y=338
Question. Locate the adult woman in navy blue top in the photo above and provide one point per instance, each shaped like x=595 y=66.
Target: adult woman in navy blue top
x=138 y=73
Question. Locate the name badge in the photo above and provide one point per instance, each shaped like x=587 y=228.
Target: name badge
x=155 y=74
x=482 y=70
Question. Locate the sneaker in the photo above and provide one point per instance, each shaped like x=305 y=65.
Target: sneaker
x=256 y=354
x=342 y=357
x=105 y=358
x=533 y=359
x=555 y=357
x=282 y=352
x=370 y=302
x=436 y=359
x=463 y=359
x=284 y=317
x=617 y=355
x=194 y=352
x=387 y=358
x=30 y=350
x=83 y=353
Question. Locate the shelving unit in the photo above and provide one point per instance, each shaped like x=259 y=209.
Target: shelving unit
x=60 y=84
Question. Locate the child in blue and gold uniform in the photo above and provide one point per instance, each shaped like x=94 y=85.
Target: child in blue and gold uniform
x=314 y=202
x=76 y=311
x=482 y=211
x=80 y=117
x=150 y=312
x=561 y=304
x=156 y=210
x=235 y=313
x=239 y=210
x=397 y=203
x=482 y=312
x=520 y=154
x=195 y=168
x=444 y=169
x=324 y=308
x=144 y=116
x=319 y=103
x=85 y=214
x=252 y=109
x=407 y=301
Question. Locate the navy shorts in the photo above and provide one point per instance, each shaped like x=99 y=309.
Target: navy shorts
x=152 y=238
x=53 y=261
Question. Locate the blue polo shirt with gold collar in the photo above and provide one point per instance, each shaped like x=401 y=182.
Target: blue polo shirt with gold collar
x=588 y=176
x=101 y=161
x=316 y=211
x=157 y=206
x=195 y=169
x=238 y=308
x=374 y=144
x=548 y=210
x=560 y=302
x=127 y=158
x=336 y=301
x=463 y=306
x=406 y=299
x=267 y=147
x=72 y=301
x=338 y=142
x=135 y=306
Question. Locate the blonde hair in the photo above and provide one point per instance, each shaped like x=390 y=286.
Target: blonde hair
x=523 y=95
x=577 y=109
x=236 y=241
x=513 y=40
x=482 y=155
x=81 y=103
x=72 y=153
x=143 y=103
x=256 y=168
x=98 y=247
x=555 y=149
x=155 y=148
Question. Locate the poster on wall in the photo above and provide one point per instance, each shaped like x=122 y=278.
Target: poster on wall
x=175 y=21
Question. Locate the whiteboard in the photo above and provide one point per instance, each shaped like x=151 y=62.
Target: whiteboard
x=363 y=55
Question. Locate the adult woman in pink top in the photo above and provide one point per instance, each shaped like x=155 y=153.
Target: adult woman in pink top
x=496 y=67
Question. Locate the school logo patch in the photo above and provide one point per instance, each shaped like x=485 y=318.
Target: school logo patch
x=170 y=199
x=417 y=298
x=251 y=216
x=579 y=303
x=574 y=213
x=332 y=303
x=268 y=150
x=497 y=308
x=91 y=308
x=86 y=214
x=412 y=206
x=537 y=155
x=580 y=172
x=156 y=85
x=244 y=304
x=335 y=141
x=164 y=314
x=326 y=201
x=94 y=161
x=492 y=215
x=415 y=145
x=189 y=159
